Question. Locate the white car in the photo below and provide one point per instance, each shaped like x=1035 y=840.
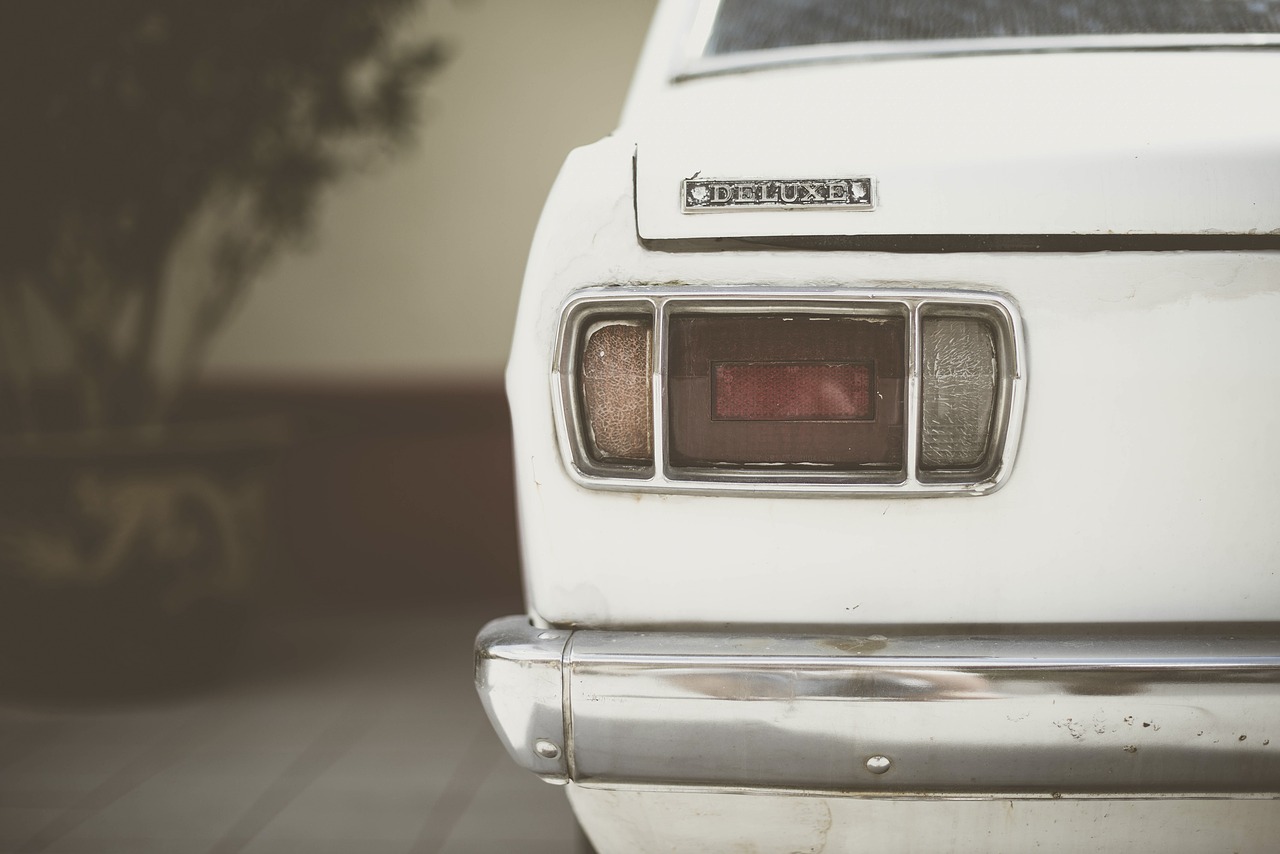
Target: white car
x=896 y=400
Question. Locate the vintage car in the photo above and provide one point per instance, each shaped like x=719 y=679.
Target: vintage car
x=896 y=399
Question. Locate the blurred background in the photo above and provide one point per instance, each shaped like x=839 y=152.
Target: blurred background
x=258 y=283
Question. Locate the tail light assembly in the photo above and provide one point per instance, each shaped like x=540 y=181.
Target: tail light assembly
x=870 y=392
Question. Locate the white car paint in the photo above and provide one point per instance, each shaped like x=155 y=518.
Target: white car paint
x=675 y=823
x=1143 y=491
x=1030 y=144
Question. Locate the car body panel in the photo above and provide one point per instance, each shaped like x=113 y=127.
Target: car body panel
x=1116 y=143
x=631 y=820
x=1143 y=491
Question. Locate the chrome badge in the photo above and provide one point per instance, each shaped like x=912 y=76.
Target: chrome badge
x=705 y=194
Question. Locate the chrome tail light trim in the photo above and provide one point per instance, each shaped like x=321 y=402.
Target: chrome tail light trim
x=661 y=476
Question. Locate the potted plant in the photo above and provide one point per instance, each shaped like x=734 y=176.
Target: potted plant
x=160 y=154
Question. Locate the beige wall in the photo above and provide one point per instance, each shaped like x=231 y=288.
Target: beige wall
x=415 y=269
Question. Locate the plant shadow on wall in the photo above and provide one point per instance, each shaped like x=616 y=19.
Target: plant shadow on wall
x=159 y=155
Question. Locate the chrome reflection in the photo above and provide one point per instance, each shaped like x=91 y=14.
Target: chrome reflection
x=942 y=716
x=865 y=684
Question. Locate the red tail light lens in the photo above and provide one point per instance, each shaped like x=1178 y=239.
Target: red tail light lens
x=790 y=390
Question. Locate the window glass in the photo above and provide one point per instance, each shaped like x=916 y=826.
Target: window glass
x=743 y=25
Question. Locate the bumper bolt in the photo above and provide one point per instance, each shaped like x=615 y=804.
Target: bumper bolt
x=878 y=764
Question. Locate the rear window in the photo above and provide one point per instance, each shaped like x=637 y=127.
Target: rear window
x=749 y=25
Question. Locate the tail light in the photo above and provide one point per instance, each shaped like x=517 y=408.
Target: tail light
x=959 y=376
x=783 y=390
x=877 y=392
x=616 y=372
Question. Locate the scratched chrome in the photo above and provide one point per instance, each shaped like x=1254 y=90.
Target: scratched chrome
x=521 y=683
x=659 y=302
x=1005 y=716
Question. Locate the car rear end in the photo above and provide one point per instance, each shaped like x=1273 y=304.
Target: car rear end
x=895 y=457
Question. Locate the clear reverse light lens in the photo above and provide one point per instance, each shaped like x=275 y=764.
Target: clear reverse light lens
x=959 y=392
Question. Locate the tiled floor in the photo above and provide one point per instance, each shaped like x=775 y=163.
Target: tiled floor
x=333 y=735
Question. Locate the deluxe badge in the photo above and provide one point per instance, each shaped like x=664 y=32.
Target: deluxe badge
x=705 y=194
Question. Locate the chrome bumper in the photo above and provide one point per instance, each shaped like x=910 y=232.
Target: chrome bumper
x=908 y=716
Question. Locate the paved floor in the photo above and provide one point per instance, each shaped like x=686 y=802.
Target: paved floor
x=333 y=735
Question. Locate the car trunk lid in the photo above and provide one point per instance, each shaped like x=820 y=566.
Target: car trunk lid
x=1156 y=143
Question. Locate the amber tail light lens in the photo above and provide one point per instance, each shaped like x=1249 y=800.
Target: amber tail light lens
x=616 y=372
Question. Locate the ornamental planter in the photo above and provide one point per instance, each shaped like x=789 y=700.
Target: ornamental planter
x=128 y=559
